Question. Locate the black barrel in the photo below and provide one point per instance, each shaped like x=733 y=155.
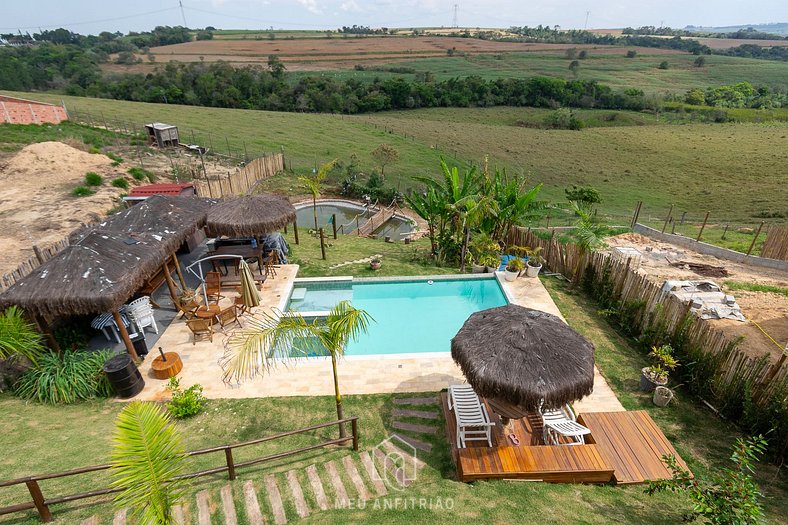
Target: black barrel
x=123 y=375
x=140 y=346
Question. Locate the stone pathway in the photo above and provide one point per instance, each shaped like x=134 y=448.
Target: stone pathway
x=412 y=425
x=357 y=261
x=281 y=498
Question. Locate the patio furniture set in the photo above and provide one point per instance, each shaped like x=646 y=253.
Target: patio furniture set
x=137 y=314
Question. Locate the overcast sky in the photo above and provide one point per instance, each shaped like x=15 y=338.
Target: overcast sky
x=93 y=16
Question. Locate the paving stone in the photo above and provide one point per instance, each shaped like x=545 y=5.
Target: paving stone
x=355 y=478
x=179 y=514
x=415 y=401
x=336 y=482
x=228 y=505
x=275 y=498
x=317 y=487
x=412 y=427
x=373 y=474
x=203 y=508
x=389 y=468
x=119 y=518
x=252 y=505
x=421 y=445
x=298 y=495
x=406 y=412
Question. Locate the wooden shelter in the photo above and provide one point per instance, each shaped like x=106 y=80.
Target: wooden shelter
x=250 y=215
x=105 y=265
x=162 y=135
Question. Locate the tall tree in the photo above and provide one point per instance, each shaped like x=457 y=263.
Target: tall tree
x=314 y=185
x=384 y=155
x=265 y=338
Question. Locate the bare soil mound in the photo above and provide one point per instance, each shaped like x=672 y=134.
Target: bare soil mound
x=36 y=205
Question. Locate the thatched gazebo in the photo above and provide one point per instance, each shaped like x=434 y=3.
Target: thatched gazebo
x=249 y=215
x=524 y=359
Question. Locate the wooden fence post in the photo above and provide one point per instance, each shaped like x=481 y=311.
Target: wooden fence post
x=703 y=226
x=725 y=232
x=354 y=429
x=667 y=218
x=334 y=224
x=322 y=244
x=295 y=230
x=755 y=238
x=228 y=455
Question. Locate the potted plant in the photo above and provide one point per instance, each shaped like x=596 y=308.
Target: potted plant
x=375 y=263
x=657 y=374
x=534 y=261
x=513 y=268
x=662 y=396
x=490 y=262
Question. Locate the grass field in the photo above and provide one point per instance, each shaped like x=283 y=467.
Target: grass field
x=44 y=439
x=733 y=170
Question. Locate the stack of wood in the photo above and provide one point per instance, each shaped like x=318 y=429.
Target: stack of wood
x=706 y=270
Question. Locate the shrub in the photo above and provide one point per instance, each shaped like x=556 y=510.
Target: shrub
x=117 y=160
x=664 y=64
x=93 y=179
x=632 y=53
x=120 y=182
x=18 y=337
x=141 y=174
x=563 y=118
x=74 y=376
x=82 y=191
x=72 y=336
x=700 y=61
x=184 y=403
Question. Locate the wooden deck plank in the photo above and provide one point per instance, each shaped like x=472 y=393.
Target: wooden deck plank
x=633 y=443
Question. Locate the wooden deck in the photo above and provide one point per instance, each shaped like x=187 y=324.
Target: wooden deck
x=530 y=460
x=632 y=443
x=624 y=447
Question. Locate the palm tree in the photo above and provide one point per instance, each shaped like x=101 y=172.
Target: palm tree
x=147 y=457
x=18 y=336
x=314 y=184
x=588 y=234
x=430 y=207
x=265 y=338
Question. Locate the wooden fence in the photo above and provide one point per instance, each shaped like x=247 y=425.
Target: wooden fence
x=41 y=504
x=628 y=286
x=242 y=180
x=776 y=244
x=41 y=255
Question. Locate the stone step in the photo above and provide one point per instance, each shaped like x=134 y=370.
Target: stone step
x=355 y=478
x=415 y=400
x=413 y=427
x=421 y=445
x=406 y=412
x=397 y=447
x=336 y=482
x=302 y=509
x=228 y=505
x=317 y=487
x=373 y=474
x=179 y=514
x=390 y=469
x=119 y=518
x=203 y=508
x=275 y=499
x=252 y=506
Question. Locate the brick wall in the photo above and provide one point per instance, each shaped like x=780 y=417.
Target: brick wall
x=20 y=111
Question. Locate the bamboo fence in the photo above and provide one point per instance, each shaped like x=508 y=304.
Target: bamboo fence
x=41 y=255
x=733 y=366
x=243 y=180
x=776 y=244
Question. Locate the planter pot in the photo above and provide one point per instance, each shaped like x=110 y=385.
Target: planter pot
x=647 y=384
x=532 y=271
x=477 y=268
x=375 y=265
x=662 y=396
x=490 y=269
x=510 y=276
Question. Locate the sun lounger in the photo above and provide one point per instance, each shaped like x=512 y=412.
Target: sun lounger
x=473 y=422
x=556 y=423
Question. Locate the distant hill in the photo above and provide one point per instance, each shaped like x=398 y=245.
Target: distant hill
x=775 y=29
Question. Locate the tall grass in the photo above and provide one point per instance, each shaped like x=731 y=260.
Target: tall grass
x=73 y=376
x=18 y=336
x=756 y=287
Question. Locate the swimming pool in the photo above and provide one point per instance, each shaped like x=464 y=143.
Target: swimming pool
x=346 y=213
x=412 y=316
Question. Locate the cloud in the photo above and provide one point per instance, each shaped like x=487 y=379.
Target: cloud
x=311 y=6
x=350 y=5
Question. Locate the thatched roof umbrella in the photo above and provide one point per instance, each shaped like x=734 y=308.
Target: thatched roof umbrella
x=524 y=358
x=250 y=215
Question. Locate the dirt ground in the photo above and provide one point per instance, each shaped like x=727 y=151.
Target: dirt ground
x=36 y=205
x=768 y=310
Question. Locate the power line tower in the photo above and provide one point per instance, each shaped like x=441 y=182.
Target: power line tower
x=586 y=26
x=180 y=3
x=454 y=22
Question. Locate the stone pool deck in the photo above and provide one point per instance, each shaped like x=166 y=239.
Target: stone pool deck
x=357 y=374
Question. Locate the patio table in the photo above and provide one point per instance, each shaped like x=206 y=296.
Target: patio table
x=210 y=311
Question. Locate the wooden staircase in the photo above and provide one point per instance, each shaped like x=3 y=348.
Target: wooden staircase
x=376 y=220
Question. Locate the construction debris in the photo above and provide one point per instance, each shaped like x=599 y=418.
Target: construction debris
x=706 y=270
x=706 y=299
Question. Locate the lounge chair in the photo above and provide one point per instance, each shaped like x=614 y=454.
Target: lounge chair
x=473 y=422
x=558 y=423
x=201 y=329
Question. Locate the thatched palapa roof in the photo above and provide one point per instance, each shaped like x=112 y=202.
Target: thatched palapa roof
x=249 y=215
x=524 y=357
x=107 y=263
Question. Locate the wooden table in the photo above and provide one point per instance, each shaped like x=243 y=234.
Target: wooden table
x=210 y=311
x=245 y=251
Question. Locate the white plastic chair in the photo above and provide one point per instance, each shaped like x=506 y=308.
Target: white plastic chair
x=141 y=312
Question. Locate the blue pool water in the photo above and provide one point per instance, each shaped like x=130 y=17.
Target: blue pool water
x=410 y=316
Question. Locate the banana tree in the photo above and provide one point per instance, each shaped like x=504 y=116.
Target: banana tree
x=266 y=338
x=147 y=458
x=314 y=185
x=588 y=235
x=432 y=208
